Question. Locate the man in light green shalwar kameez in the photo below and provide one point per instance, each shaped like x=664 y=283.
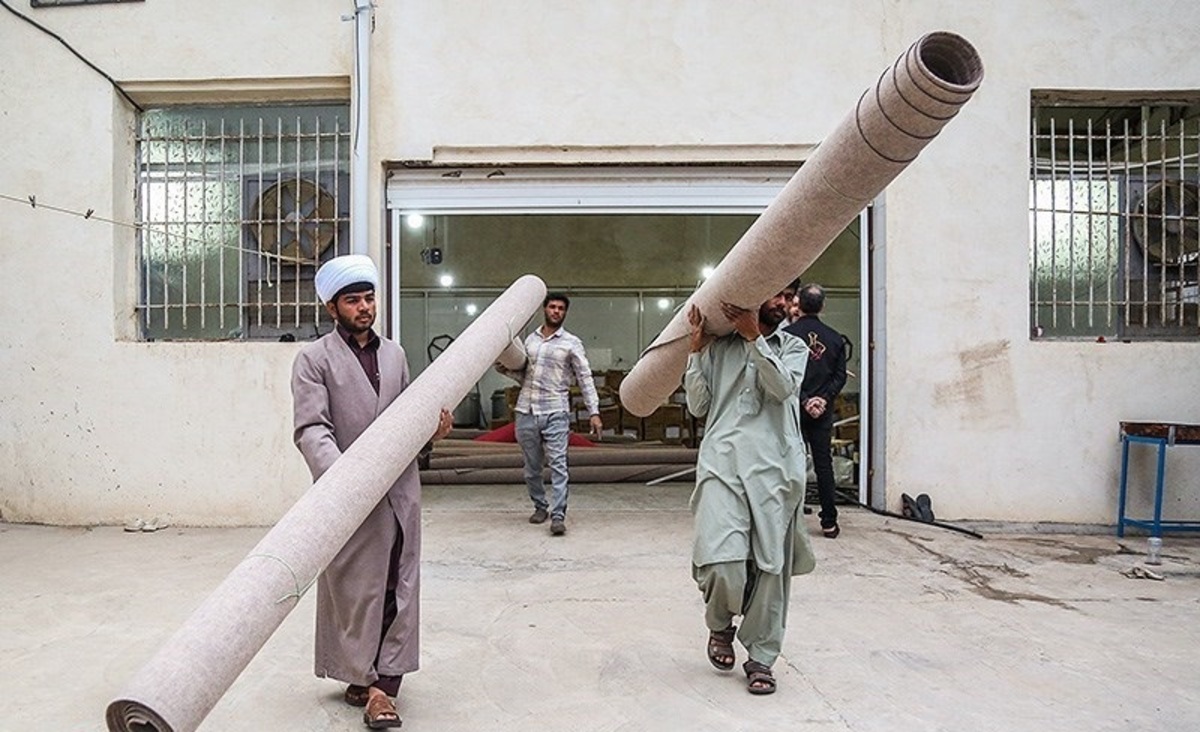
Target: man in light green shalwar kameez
x=750 y=482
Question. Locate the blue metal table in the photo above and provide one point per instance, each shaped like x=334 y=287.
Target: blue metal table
x=1162 y=435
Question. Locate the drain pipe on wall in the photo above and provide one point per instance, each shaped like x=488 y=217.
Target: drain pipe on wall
x=360 y=170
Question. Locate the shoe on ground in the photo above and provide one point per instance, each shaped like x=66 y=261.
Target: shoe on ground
x=831 y=532
x=539 y=516
x=925 y=508
x=558 y=527
x=154 y=524
x=356 y=696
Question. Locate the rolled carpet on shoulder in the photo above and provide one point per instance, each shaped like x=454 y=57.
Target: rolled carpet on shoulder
x=892 y=122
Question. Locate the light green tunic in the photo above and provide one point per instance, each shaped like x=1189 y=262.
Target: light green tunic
x=750 y=474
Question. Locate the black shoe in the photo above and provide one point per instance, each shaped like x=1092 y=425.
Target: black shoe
x=539 y=516
x=925 y=507
x=558 y=527
x=831 y=532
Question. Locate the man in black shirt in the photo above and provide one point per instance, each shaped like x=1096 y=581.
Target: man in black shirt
x=823 y=380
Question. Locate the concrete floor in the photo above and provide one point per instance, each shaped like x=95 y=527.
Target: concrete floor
x=903 y=627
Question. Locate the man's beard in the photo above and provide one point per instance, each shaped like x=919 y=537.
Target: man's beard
x=350 y=325
x=771 y=317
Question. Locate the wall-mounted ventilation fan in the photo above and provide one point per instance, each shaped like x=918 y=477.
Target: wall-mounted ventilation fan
x=1166 y=222
x=295 y=220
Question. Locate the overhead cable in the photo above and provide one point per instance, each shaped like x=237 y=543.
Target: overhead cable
x=78 y=55
x=90 y=215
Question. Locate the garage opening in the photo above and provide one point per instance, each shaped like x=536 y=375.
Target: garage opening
x=627 y=244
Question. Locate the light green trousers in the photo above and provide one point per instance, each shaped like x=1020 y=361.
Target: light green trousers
x=739 y=588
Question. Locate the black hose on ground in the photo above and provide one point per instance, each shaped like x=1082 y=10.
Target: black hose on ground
x=939 y=524
x=844 y=500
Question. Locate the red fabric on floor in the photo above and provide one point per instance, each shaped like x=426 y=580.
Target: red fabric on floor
x=508 y=433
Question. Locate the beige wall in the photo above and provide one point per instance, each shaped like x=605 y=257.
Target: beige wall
x=93 y=429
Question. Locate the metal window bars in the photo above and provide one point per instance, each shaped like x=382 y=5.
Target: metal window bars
x=238 y=206
x=1115 y=220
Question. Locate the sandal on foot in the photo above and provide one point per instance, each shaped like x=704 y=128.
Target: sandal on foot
x=356 y=696
x=381 y=713
x=759 y=679
x=720 y=647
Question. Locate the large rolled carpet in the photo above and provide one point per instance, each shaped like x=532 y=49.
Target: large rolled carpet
x=617 y=473
x=179 y=686
x=890 y=125
x=576 y=458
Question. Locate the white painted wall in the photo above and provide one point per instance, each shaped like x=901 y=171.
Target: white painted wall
x=987 y=422
x=95 y=429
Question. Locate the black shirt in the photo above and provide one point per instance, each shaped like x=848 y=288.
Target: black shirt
x=368 y=355
x=826 y=372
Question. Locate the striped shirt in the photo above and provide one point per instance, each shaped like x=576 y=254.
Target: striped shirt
x=546 y=379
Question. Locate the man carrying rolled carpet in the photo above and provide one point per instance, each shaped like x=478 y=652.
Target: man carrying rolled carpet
x=555 y=358
x=749 y=535
x=368 y=597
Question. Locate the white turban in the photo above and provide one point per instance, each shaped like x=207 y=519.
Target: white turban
x=347 y=269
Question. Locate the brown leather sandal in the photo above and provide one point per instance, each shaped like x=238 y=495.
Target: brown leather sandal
x=381 y=713
x=720 y=647
x=759 y=679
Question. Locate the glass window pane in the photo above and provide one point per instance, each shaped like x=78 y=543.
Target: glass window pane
x=238 y=206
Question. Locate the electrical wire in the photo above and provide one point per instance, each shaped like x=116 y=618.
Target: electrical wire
x=843 y=499
x=90 y=215
x=77 y=54
x=939 y=524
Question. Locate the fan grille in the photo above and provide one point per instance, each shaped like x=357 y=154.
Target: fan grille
x=1166 y=222
x=294 y=220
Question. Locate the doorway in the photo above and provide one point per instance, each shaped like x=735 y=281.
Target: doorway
x=628 y=244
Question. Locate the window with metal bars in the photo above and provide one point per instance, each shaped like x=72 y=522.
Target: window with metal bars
x=1114 y=202
x=238 y=206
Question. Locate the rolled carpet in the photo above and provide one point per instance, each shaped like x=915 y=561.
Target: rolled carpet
x=181 y=684
x=580 y=475
x=575 y=458
x=891 y=124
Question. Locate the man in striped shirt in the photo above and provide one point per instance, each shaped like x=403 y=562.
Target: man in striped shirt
x=543 y=412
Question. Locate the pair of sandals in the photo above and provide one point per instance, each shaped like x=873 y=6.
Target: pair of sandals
x=917 y=509
x=379 y=713
x=759 y=679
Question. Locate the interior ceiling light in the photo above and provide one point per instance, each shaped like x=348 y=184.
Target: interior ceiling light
x=446 y=280
x=414 y=220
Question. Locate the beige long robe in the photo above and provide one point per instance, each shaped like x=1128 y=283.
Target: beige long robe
x=334 y=403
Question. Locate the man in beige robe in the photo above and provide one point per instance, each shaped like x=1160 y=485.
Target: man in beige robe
x=368 y=597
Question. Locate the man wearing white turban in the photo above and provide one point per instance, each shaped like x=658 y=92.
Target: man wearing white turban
x=368 y=597
x=341 y=272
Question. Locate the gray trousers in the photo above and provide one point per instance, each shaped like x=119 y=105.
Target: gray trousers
x=545 y=436
x=740 y=588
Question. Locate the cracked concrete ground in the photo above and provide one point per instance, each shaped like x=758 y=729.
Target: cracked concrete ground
x=903 y=627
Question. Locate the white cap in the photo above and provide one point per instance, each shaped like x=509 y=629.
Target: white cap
x=347 y=269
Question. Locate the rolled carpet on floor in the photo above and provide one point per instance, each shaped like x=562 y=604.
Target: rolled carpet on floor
x=180 y=685
x=892 y=123
x=579 y=475
x=576 y=458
